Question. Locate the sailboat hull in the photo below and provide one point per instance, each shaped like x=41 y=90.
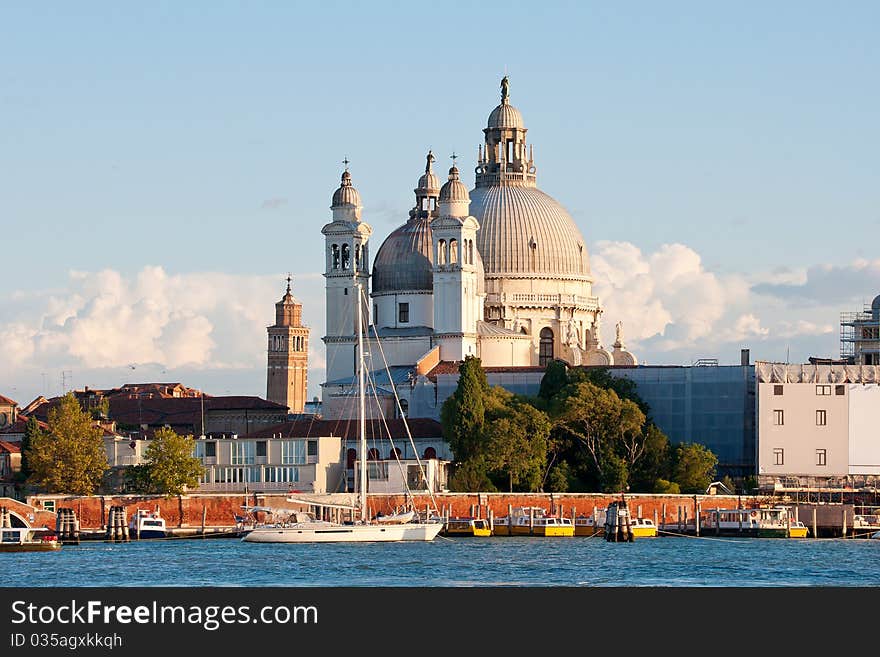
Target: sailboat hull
x=331 y=533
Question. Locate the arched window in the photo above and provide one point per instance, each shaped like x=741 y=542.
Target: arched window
x=545 y=347
x=373 y=454
x=453 y=251
x=470 y=252
x=346 y=256
x=430 y=453
x=357 y=257
x=441 y=252
x=335 y=257
x=350 y=457
x=394 y=454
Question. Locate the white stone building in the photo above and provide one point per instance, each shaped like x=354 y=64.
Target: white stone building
x=817 y=425
x=500 y=272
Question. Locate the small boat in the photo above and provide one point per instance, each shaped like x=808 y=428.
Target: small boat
x=875 y=535
x=590 y=525
x=28 y=539
x=467 y=527
x=532 y=521
x=147 y=524
x=797 y=530
x=770 y=522
x=643 y=528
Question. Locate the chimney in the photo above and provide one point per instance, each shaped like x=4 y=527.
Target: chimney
x=744 y=357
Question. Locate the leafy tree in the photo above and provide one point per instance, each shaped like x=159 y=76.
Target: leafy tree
x=463 y=413
x=69 y=457
x=172 y=466
x=694 y=467
x=668 y=487
x=137 y=480
x=605 y=426
x=555 y=379
x=471 y=477
x=614 y=474
x=560 y=478
x=601 y=377
x=516 y=444
x=655 y=462
x=31 y=431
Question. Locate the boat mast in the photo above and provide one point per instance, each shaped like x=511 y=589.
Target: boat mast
x=362 y=421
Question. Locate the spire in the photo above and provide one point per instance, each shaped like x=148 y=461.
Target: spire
x=288 y=283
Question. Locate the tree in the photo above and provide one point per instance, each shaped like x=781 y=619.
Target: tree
x=694 y=467
x=471 y=477
x=516 y=444
x=31 y=431
x=605 y=425
x=655 y=462
x=463 y=413
x=172 y=466
x=69 y=457
x=555 y=379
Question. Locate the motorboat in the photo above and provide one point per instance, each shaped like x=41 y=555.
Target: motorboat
x=145 y=524
x=467 y=526
x=28 y=539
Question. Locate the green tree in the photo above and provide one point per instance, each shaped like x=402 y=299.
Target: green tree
x=136 y=479
x=515 y=444
x=463 y=413
x=667 y=487
x=655 y=462
x=614 y=474
x=31 y=431
x=694 y=467
x=69 y=457
x=605 y=425
x=172 y=466
x=471 y=477
x=555 y=379
x=560 y=478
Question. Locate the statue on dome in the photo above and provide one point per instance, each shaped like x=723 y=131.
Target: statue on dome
x=619 y=329
x=505 y=88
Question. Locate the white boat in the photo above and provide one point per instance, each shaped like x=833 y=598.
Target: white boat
x=146 y=524
x=28 y=539
x=304 y=527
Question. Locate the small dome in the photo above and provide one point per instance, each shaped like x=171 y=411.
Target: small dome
x=505 y=116
x=404 y=261
x=429 y=184
x=346 y=194
x=875 y=304
x=454 y=191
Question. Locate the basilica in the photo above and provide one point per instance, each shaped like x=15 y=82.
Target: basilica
x=500 y=272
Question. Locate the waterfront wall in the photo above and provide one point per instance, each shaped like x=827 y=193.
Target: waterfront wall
x=219 y=510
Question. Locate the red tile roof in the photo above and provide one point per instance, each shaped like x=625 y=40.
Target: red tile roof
x=7 y=400
x=349 y=429
x=451 y=367
x=9 y=448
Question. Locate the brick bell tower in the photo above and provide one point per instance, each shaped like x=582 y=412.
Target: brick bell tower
x=288 y=355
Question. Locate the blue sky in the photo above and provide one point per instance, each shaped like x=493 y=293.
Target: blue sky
x=205 y=140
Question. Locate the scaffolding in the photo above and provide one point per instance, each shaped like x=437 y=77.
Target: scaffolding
x=860 y=336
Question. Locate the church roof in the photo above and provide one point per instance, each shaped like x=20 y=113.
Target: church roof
x=346 y=194
x=505 y=116
x=404 y=261
x=525 y=231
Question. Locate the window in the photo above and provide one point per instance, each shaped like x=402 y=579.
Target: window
x=281 y=475
x=821 y=457
x=312 y=450
x=403 y=313
x=778 y=418
x=777 y=390
x=414 y=478
x=49 y=505
x=821 y=418
x=430 y=453
x=870 y=333
x=839 y=390
x=335 y=256
x=346 y=256
x=211 y=448
x=261 y=448
x=545 y=347
x=293 y=452
x=404 y=407
x=242 y=453
x=823 y=390
x=376 y=314
x=778 y=456
x=377 y=471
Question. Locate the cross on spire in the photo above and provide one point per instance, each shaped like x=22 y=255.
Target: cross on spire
x=288 y=282
x=453 y=157
x=346 y=162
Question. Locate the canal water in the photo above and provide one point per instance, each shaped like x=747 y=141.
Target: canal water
x=456 y=562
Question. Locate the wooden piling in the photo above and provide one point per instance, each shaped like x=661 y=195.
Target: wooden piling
x=204 y=518
x=815 y=533
x=531 y=521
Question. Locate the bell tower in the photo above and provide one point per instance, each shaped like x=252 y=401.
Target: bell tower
x=288 y=355
x=346 y=267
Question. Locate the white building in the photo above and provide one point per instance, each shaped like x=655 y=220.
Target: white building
x=500 y=272
x=817 y=425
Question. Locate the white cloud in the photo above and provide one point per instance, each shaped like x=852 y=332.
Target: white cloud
x=102 y=321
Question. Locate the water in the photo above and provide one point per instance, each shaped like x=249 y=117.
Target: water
x=458 y=562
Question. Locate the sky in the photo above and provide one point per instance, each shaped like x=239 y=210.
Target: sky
x=164 y=165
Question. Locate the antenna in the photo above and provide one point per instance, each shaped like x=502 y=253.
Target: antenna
x=65 y=376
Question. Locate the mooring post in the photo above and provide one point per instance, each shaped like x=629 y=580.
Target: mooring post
x=510 y=520
x=204 y=518
x=844 y=520
x=531 y=520
x=815 y=533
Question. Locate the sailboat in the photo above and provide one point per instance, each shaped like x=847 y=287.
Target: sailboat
x=304 y=527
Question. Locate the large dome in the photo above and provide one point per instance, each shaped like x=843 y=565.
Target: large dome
x=523 y=232
x=404 y=261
